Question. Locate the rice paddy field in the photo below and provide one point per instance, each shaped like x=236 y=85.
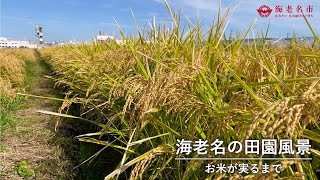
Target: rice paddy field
x=143 y=94
x=136 y=98
x=12 y=71
x=13 y=77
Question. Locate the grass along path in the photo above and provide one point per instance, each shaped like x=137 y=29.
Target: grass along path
x=29 y=150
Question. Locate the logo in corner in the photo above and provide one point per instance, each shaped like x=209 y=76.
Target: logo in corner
x=264 y=11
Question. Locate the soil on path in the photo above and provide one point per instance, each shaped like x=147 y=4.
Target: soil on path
x=33 y=140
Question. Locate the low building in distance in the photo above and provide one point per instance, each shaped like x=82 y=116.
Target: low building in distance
x=9 y=43
x=102 y=37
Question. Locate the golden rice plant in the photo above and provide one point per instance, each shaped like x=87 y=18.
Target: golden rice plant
x=190 y=83
x=12 y=71
x=24 y=54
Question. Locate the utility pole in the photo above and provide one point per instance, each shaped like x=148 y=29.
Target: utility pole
x=39 y=35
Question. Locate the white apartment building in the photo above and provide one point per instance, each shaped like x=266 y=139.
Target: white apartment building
x=8 y=43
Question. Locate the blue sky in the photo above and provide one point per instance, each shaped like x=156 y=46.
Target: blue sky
x=82 y=19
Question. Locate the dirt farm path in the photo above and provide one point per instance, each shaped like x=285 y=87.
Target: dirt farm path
x=30 y=149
